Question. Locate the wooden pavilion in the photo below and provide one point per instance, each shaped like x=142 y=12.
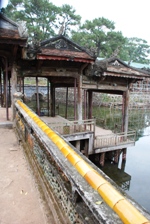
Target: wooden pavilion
x=13 y=38
x=64 y=64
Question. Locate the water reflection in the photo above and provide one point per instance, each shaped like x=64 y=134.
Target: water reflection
x=133 y=176
x=118 y=175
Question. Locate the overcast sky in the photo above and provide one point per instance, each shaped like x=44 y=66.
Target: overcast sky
x=131 y=17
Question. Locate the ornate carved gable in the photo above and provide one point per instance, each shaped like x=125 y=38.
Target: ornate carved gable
x=116 y=67
x=61 y=48
x=61 y=43
x=9 y=30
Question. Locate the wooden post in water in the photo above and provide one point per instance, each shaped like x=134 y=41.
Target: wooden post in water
x=78 y=145
x=116 y=156
x=86 y=147
x=124 y=153
x=102 y=159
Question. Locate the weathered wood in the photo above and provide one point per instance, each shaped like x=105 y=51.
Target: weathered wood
x=75 y=99
x=102 y=159
x=37 y=98
x=66 y=103
x=13 y=87
x=125 y=111
x=52 y=100
x=48 y=97
x=79 y=103
x=6 y=89
x=104 y=87
x=35 y=72
x=90 y=94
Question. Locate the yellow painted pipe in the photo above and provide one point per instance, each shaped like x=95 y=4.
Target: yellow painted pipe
x=109 y=194
x=94 y=179
x=66 y=150
x=61 y=143
x=73 y=158
x=82 y=167
x=126 y=211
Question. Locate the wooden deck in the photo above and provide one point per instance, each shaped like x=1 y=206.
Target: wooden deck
x=103 y=140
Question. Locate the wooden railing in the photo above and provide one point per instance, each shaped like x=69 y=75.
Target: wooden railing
x=114 y=139
x=71 y=127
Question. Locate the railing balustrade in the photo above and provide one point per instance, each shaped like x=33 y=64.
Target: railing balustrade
x=71 y=127
x=114 y=139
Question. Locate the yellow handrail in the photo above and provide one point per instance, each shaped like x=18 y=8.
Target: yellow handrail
x=125 y=210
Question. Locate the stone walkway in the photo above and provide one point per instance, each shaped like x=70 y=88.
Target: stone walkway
x=19 y=197
x=20 y=201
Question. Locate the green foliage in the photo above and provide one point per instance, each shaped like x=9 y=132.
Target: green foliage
x=68 y=19
x=47 y=20
x=40 y=16
x=99 y=34
x=137 y=50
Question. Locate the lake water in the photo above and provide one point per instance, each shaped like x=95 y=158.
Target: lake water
x=134 y=177
x=138 y=166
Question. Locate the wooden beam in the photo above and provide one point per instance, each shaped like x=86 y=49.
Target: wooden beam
x=103 y=87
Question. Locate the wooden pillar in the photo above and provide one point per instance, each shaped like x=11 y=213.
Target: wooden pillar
x=52 y=100
x=123 y=164
x=6 y=89
x=1 y=87
x=75 y=99
x=23 y=87
x=48 y=99
x=125 y=111
x=37 y=98
x=90 y=93
x=85 y=104
x=80 y=98
x=109 y=155
x=86 y=147
x=66 y=115
x=124 y=154
x=116 y=156
x=9 y=104
x=13 y=87
x=20 y=84
x=78 y=145
x=102 y=159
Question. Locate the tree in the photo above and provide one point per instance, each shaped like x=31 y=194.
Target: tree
x=95 y=33
x=114 y=44
x=68 y=19
x=137 y=50
x=40 y=16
